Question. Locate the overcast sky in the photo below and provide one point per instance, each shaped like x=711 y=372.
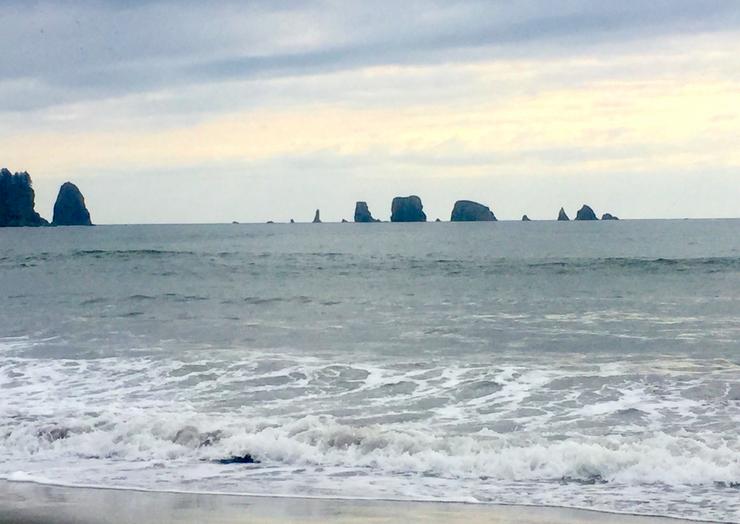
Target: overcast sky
x=190 y=111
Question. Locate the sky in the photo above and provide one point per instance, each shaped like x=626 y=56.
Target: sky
x=185 y=111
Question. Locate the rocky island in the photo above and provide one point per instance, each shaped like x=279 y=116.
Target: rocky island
x=562 y=215
x=70 y=209
x=609 y=216
x=586 y=213
x=362 y=213
x=469 y=211
x=17 y=201
x=407 y=209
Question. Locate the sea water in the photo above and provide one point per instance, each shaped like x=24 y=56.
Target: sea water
x=577 y=364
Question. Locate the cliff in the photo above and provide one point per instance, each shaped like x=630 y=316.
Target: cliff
x=362 y=213
x=17 y=201
x=407 y=209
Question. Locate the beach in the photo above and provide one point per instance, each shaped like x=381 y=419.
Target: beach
x=28 y=503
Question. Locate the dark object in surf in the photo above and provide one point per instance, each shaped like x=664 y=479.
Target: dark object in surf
x=70 y=209
x=562 y=215
x=469 y=211
x=609 y=216
x=243 y=459
x=362 y=213
x=17 y=201
x=586 y=213
x=407 y=209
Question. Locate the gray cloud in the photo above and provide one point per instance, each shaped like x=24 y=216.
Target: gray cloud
x=63 y=52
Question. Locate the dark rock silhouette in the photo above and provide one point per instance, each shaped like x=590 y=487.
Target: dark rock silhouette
x=525 y=218
x=563 y=216
x=317 y=217
x=17 y=201
x=586 y=213
x=239 y=459
x=362 y=213
x=438 y=220
x=292 y=221
x=344 y=221
x=270 y=222
x=407 y=209
x=609 y=216
x=469 y=211
x=69 y=209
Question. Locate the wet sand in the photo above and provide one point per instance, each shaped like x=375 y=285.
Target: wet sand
x=27 y=503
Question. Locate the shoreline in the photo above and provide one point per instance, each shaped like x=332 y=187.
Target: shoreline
x=27 y=502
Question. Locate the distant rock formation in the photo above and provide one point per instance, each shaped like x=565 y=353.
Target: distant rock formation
x=407 y=209
x=469 y=211
x=17 y=201
x=563 y=216
x=609 y=216
x=317 y=218
x=362 y=213
x=586 y=213
x=525 y=218
x=69 y=209
x=438 y=220
x=344 y=221
x=292 y=221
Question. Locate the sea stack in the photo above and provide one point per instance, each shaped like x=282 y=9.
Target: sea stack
x=17 y=201
x=586 y=213
x=525 y=218
x=317 y=217
x=469 y=211
x=563 y=216
x=407 y=209
x=609 y=216
x=362 y=213
x=69 y=209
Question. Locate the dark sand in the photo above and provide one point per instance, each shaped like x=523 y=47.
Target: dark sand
x=26 y=503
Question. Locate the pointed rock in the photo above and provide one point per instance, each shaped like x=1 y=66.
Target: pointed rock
x=469 y=211
x=407 y=209
x=69 y=209
x=563 y=216
x=586 y=213
x=317 y=217
x=525 y=218
x=17 y=201
x=362 y=213
x=609 y=216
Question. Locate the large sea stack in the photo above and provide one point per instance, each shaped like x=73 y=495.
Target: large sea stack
x=563 y=216
x=362 y=213
x=469 y=211
x=17 y=201
x=586 y=213
x=69 y=209
x=407 y=209
x=317 y=217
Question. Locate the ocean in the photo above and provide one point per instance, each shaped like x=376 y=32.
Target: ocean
x=578 y=364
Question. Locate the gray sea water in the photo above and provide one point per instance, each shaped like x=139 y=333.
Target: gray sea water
x=578 y=364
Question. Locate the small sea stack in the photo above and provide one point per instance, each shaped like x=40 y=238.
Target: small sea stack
x=469 y=211
x=362 y=213
x=317 y=218
x=562 y=215
x=525 y=218
x=407 y=209
x=70 y=209
x=586 y=213
x=609 y=216
x=17 y=201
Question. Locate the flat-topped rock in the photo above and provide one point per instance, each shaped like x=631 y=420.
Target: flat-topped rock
x=407 y=209
x=469 y=211
x=586 y=213
x=70 y=209
x=362 y=213
x=609 y=216
x=562 y=215
x=17 y=201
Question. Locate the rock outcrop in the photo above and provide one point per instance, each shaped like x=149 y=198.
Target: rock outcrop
x=362 y=213
x=609 y=216
x=69 y=209
x=525 y=218
x=317 y=217
x=469 y=211
x=17 y=201
x=407 y=209
x=586 y=213
x=563 y=216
